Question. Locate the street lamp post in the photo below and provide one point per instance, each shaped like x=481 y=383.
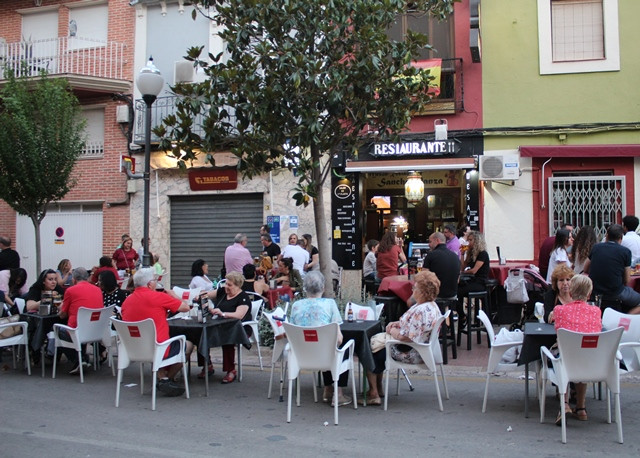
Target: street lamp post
x=149 y=82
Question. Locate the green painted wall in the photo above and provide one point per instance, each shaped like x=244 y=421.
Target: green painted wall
x=515 y=94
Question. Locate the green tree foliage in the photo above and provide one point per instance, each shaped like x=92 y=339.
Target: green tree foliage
x=300 y=82
x=41 y=137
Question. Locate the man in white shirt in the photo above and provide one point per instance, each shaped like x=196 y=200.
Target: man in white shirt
x=631 y=239
x=299 y=255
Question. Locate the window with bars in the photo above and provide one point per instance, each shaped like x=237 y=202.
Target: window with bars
x=595 y=201
x=577 y=30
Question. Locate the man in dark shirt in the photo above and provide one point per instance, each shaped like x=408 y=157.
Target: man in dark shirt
x=9 y=258
x=270 y=248
x=444 y=263
x=608 y=268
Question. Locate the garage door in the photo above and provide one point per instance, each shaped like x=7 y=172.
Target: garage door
x=203 y=226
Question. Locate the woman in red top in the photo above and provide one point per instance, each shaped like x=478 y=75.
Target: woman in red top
x=389 y=253
x=125 y=256
x=578 y=316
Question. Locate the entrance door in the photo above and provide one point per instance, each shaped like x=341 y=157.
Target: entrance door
x=202 y=227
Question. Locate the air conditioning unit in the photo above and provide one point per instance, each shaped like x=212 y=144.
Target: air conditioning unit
x=503 y=167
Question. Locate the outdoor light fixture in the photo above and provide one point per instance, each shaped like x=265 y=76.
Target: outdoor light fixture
x=440 y=126
x=150 y=83
x=414 y=187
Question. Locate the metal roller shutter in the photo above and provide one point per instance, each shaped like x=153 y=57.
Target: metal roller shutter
x=203 y=226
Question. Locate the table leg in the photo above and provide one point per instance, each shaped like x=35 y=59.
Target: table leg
x=206 y=361
x=526 y=390
x=239 y=363
x=42 y=353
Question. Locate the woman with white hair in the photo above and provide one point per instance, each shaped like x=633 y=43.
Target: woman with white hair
x=316 y=310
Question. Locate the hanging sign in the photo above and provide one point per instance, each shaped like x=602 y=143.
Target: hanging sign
x=213 y=179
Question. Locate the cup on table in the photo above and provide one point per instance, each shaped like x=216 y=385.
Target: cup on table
x=45 y=309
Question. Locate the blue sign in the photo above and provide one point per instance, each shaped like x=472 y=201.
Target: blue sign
x=293 y=222
x=274 y=228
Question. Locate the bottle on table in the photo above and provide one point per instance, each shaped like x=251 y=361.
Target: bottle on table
x=350 y=313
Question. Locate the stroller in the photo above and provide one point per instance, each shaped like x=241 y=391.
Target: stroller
x=525 y=286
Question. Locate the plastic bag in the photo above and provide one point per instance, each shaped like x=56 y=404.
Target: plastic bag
x=506 y=336
x=516 y=287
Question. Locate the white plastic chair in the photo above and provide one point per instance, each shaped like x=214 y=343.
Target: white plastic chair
x=16 y=341
x=316 y=349
x=584 y=357
x=630 y=341
x=431 y=358
x=93 y=326
x=20 y=303
x=279 y=353
x=495 y=355
x=360 y=312
x=137 y=342
x=257 y=305
x=379 y=309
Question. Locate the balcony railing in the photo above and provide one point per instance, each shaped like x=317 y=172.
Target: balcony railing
x=92 y=149
x=64 y=55
x=162 y=107
x=451 y=97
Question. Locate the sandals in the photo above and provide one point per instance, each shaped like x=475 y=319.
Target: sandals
x=210 y=370
x=230 y=377
x=567 y=410
x=580 y=414
x=370 y=402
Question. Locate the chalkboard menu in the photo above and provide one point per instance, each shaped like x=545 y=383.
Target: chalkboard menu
x=345 y=217
x=472 y=201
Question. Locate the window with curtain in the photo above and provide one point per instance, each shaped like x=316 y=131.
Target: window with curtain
x=577 y=30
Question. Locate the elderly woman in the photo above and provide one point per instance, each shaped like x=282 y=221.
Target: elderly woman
x=415 y=325
x=231 y=302
x=287 y=275
x=46 y=282
x=318 y=311
x=578 y=316
x=560 y=292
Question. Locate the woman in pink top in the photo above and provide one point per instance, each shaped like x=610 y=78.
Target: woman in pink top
x=578 y=316
x=389 y=252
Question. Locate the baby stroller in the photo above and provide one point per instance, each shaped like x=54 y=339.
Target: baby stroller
x=525 y=286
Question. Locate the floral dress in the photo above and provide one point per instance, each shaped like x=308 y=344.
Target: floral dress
x=416 y=324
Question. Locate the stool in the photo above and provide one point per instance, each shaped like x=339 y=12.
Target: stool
x=474 y=299
x=492 y=304
x=448 y=331
x=369 y=286
x=394 y=307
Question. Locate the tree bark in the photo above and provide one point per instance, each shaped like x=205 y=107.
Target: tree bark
x=36 y=228
x=324 y=244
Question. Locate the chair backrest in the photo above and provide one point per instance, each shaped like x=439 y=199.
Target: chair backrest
x=187 y=294
x=360 y=312
x=314 y=347
x=379 y=309
x=588 y=357
x=138 y=338
x=276 y=325
x=20 y=303
x=612 y=319
x=486 y=322
x=93 y=324
x=257 y=304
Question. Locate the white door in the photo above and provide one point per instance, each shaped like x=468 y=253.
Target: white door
x=76 y=236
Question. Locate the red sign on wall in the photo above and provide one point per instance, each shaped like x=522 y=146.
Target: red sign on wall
x=213 y=179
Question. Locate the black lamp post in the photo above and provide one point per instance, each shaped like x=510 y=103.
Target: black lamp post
x=149 y=82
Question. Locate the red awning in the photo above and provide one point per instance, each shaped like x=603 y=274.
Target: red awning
x=581 y=151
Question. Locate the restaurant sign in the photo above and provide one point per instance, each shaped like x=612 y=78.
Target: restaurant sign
x=213 y=179
x=420 y=148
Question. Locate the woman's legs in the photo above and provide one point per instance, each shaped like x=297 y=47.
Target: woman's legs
x=228 y=358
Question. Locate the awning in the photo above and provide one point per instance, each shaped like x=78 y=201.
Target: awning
x=581 y=151
x=411 y=164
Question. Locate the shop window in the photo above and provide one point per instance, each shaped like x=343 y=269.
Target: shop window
x=577 y=36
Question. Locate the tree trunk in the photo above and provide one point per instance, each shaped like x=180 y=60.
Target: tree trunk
x=36 y=228
x=322 y=238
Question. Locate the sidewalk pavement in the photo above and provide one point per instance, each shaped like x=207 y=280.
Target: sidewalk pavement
x=61 y=417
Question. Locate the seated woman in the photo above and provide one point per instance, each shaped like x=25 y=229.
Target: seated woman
x=476 y=270
x=251 y=283
x=318 y=311
x=287 y=275
x=112 y=294
x=13 y=283
x=578 y=316
x=415 y=325
x=231 y=302
x=560 y=292
x=199 y=279
x=104 y=265
x=63 y=274
x=47 y=281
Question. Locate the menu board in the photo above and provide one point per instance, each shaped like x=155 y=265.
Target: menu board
x=345 y=217
x=472 y=201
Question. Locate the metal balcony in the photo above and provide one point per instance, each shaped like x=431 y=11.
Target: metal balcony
x=451 y=97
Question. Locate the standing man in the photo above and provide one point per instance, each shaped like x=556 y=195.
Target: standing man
x=545 y=251
x=609 y=269
x=80 y=294
x=631 y=239
x=264 y=229
x=445 y=264
x=270 y=249
x=236 y=256
x=299 y=255
x=453 y=244
x=9 y=258
x=145 y=302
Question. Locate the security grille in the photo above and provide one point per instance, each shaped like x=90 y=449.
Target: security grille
x=595 y=201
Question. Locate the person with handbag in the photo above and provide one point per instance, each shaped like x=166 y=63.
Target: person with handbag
x=415 y=325
x=125 y=256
